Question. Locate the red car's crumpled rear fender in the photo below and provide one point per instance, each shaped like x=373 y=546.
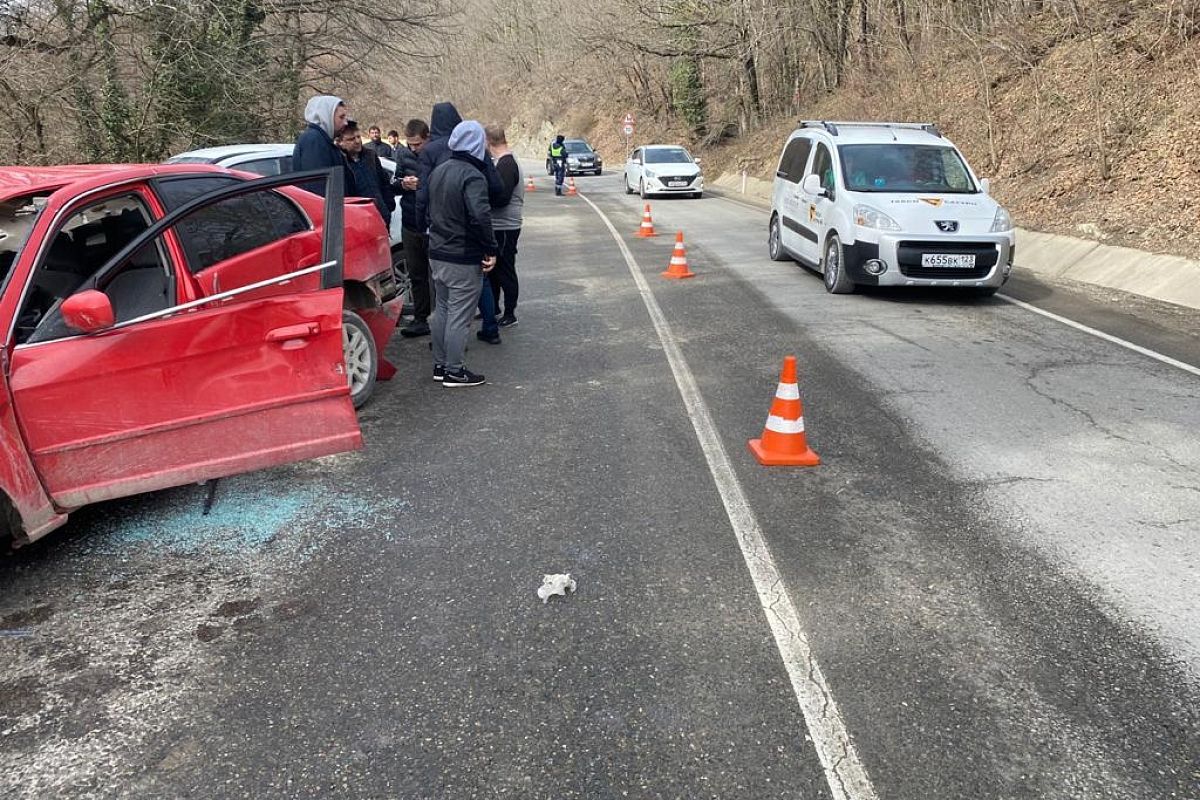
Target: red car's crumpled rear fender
x=382 y=321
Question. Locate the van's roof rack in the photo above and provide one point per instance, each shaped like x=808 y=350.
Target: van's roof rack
x=814 y=123
x=832 y=127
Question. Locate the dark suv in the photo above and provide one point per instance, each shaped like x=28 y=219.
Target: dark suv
x=581 y=159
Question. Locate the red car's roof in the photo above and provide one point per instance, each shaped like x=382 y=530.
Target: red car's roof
x=22 y=180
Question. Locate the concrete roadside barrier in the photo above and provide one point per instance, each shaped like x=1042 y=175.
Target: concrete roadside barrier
x=1050 y=254
x=1172 y=279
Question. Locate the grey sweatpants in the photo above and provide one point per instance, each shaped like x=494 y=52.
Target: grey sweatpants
x=456 y=289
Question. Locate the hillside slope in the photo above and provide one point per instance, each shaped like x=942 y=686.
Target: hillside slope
x=1091 y=130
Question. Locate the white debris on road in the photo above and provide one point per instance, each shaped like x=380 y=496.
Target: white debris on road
x=555 y=584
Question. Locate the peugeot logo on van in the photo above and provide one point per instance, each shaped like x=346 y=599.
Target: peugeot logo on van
x=947 y=225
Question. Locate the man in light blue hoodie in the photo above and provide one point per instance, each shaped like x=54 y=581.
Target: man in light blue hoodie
x=462 y=248
x=326 y=116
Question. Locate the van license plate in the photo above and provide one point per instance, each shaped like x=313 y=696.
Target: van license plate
x=948 y=261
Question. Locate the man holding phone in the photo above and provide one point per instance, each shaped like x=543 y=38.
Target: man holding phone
x=416 y=250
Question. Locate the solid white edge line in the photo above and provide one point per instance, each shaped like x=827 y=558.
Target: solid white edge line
x=844 y=772
x=1108 y=337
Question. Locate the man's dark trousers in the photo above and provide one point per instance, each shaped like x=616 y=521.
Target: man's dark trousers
x=504 y=276
x=416 y=254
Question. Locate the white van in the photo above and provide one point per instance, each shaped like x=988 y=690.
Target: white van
x=887 y=204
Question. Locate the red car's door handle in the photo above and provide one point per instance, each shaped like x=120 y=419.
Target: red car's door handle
x=290 y=332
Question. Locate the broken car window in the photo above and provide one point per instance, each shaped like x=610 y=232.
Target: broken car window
x=17 y=216
x=77 y=251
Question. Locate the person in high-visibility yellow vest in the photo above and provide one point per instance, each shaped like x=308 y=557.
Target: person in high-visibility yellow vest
x=557 y=153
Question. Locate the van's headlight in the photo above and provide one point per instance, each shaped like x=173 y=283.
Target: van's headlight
x=1002 y=223
x=867 y=217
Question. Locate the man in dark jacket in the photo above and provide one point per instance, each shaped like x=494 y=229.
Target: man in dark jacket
x=376 y=144
x=416 y=250
x=370 y=178
x=441 y=123
x=326 y=115
x=462 y=249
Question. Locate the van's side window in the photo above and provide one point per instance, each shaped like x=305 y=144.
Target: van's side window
x=823 y=166
x=794 y=159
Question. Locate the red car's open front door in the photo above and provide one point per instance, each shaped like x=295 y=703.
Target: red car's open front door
x=209 y=388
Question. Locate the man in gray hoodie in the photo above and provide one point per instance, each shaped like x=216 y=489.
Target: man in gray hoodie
x=326 y=116
x=462 y=248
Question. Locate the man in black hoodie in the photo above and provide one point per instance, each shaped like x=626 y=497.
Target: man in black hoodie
x=462 y=249
x=441 y=123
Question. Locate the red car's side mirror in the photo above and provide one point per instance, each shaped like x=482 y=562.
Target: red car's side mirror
x=88 y=311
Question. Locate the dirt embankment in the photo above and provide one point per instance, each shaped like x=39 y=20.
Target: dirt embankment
x=1087 y=129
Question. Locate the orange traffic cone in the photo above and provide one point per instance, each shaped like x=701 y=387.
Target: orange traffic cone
x=529 y=187
x=646 y=230
x=679 y=265
x=571 y=190
x=783 y=443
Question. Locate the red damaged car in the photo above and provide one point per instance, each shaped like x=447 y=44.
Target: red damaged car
x=171 y=324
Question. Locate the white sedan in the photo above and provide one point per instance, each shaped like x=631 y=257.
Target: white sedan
x=659 y=169
x=276 y=159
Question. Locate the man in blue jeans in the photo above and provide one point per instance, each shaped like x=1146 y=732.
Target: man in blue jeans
x=462 y=249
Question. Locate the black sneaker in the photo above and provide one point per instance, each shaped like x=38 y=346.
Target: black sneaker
x=506 y=322
x=490 y=338
x=439 y=372
x=415 y=329
x=464 y=378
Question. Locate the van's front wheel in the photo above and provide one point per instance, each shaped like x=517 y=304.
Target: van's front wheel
x=833 y=268
x=775 y=242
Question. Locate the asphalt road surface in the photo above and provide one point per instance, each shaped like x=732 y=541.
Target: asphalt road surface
x=989 y=589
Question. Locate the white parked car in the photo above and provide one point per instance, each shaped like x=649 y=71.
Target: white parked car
x=658 y=169
x=887 y=204
x=276 y=159
x=261 y=159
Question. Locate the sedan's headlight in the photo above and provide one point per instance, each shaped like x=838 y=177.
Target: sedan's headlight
x=650 y=174
x=572 y=160
x=1002 y=223
x=868 y=217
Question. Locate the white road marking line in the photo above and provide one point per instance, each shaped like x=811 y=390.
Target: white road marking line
x=1108 y=337
x=844 y=772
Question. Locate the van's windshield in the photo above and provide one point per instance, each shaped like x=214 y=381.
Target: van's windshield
x=17 y=215
x=915 y=168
